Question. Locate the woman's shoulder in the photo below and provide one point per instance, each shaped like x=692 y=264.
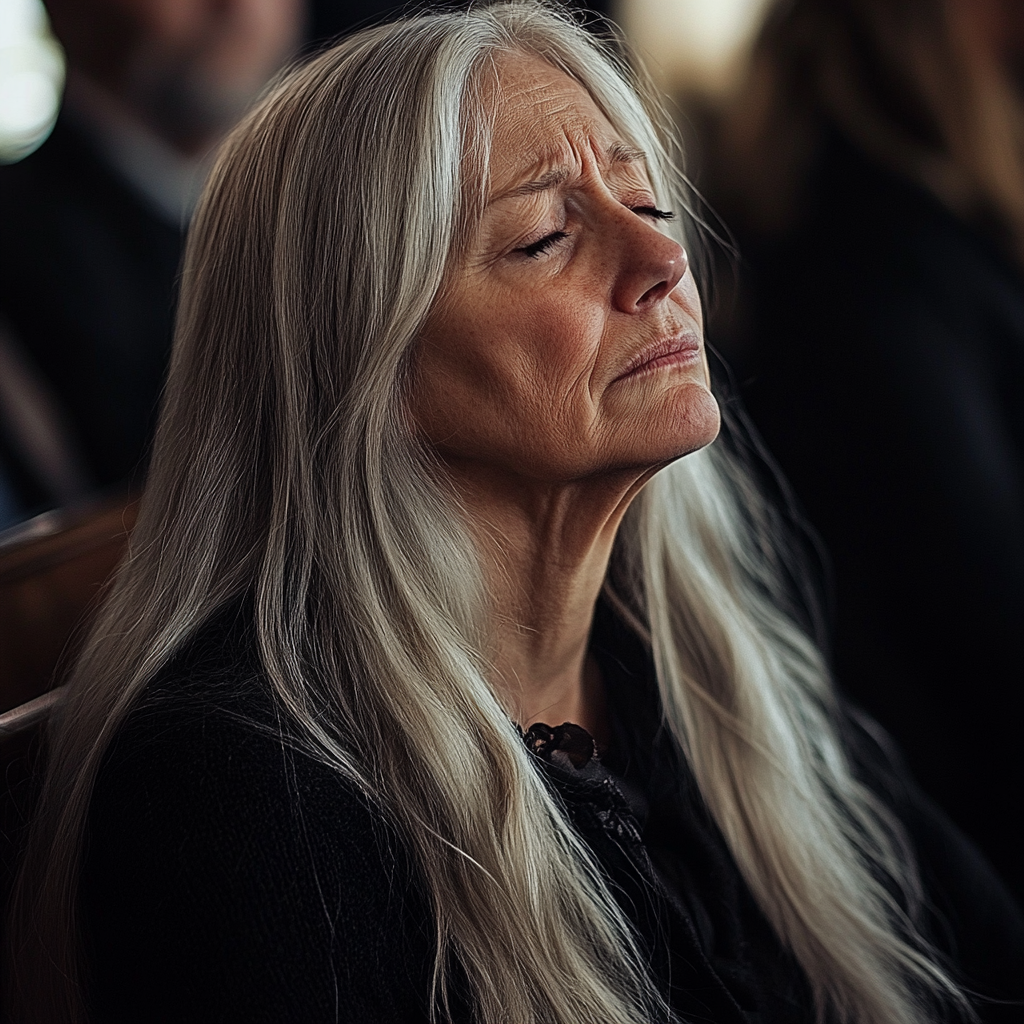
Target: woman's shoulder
x=207 y=731
x=228 y=875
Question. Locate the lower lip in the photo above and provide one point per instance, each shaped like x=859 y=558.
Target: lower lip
x=681 y=357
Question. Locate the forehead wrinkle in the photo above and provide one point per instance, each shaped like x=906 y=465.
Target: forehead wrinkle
x=547 y=96
x=550 y=179
x=617 y=153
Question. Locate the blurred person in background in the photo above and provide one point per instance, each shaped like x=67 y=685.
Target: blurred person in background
x=873 y=171
x=93 y=226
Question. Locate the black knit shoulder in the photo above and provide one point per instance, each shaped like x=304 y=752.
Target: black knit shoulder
x=228 y=877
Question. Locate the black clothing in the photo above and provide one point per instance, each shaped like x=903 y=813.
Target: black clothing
x=885 y=361
x=87 y=281
x=228 y=877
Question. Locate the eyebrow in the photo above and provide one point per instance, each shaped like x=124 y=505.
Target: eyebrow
x=619 y=153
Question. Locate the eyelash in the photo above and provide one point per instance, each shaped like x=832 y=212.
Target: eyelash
x=538 y=248
x=535 y=249
x=653 y=211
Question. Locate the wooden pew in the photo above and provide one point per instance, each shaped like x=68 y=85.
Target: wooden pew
x=53 y=570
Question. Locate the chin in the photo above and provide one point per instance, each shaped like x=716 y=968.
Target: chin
x=661 y=440
x=678 y=428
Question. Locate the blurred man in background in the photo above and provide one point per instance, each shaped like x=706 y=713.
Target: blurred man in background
x=93 y=225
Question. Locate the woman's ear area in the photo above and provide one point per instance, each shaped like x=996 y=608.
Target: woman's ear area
x=419 y=385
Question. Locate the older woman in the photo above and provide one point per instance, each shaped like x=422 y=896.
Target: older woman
x=435 y=469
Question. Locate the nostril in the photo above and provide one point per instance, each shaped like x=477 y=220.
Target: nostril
x=659 y=291
x=651 y=295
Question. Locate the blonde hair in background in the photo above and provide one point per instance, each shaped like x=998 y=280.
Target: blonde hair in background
x=284 y=467
x=913 y=82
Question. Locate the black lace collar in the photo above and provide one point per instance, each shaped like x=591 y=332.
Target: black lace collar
x=567 y=745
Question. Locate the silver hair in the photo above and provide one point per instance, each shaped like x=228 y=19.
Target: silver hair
x=285 y=467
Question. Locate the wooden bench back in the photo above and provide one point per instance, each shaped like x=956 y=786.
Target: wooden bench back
x=52 y=573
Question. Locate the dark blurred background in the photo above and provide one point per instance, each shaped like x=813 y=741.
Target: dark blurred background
x=865 y=162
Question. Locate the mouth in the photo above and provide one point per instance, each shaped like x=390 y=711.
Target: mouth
x=680 y=350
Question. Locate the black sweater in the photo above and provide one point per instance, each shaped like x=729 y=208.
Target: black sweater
x=230 y=878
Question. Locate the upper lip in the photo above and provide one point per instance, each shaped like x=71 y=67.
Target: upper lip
x=685 y=341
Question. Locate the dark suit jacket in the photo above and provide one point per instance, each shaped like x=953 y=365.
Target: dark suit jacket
x=87 y=284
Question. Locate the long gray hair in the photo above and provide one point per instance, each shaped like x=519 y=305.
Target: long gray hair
x=285 y=467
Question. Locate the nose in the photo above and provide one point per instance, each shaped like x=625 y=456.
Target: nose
x=651 y=265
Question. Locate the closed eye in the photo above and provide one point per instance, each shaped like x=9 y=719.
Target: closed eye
x=653 y=212
x=542 y=245
x=535 y=249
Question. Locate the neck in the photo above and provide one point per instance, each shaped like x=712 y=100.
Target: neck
x=546 y=550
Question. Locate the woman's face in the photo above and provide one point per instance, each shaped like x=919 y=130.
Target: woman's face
x=568 y=341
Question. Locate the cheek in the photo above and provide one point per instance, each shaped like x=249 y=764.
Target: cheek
x=469 y=382
x=560 y=342
x=524 y=349
x=510 y=383
x=687 y=297
x=445 y=390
